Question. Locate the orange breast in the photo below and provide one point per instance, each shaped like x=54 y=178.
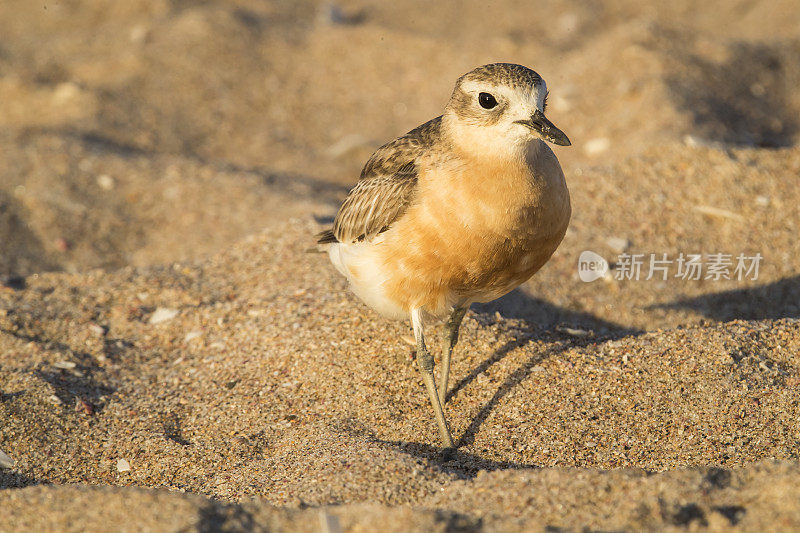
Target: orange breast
x=477 y=231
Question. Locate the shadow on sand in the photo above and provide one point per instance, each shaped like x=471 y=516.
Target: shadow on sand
x=780 y=299
x=537 y=319
x=12 y=480
x=300 y=186
x=463 y=464
x=745 y=100
x=84 y=383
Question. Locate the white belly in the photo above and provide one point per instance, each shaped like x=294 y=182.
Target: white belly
x=360 y=264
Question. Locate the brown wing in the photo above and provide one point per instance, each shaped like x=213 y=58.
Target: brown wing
x=374 y=204
x=393 y=155
x=385 y=189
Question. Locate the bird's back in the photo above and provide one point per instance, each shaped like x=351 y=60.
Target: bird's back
x=386 y=187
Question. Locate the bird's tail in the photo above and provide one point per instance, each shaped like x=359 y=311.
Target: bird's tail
x=323 y=237
x=326 y=237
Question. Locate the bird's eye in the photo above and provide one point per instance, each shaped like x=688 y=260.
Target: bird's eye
x=486 y=100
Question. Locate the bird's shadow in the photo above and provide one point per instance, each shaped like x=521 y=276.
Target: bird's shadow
x=535 y=319
x=541 y=314
x=463 y=464
x=780 y=299
x=540 y=321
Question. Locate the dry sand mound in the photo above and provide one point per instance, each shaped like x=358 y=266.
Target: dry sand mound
x=759 y=497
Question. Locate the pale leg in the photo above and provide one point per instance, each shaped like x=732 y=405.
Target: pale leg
x=425 y=364
x=450 y=340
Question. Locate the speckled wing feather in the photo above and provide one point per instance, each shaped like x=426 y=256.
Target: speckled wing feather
x=384 y=190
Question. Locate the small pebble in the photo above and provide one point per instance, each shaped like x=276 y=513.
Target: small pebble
x=575 y=332
x=97 y=329
x=55 y=400
x=597 y=146
x=5 y=460
x=123 y=465
x=718 y=212
x=162 y=314
x=138 y=34
x=192 y=335
x=694 y=141
x=618 y=244
x=105 y=182
x=65 y=91
x=83 y=405
x=61 y=244
x=64 y=365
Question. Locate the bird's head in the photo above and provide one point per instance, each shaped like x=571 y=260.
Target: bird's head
x=498 y=109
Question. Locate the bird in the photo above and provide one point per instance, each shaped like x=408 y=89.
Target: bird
x=462 y=209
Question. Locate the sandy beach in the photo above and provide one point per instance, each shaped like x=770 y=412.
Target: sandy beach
x=173 y=358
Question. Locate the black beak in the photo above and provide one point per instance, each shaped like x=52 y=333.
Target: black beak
x=539 y=123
